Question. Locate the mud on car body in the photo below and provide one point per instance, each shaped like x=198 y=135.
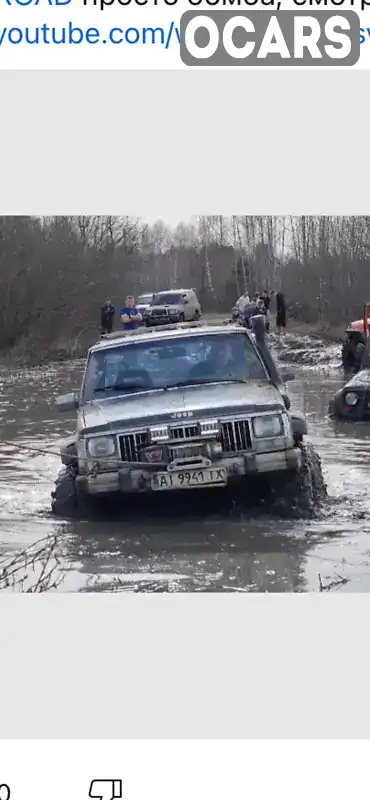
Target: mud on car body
x=185 y=407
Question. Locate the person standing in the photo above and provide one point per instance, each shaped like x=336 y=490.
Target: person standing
x=266 y=299
x=130 y=315
x=243 y=302
x=280 y=312
x=107 y=316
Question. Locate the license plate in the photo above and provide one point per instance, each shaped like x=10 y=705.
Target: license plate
x=181 y=480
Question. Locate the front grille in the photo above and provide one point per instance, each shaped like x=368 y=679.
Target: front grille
x=184 y=432
x=130 y=444
x=235 y=436
x=159 y=313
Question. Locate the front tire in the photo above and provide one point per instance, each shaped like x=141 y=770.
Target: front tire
x=66 y=500
x=303 y=492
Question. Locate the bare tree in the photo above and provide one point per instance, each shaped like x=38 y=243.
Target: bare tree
x=56 y=271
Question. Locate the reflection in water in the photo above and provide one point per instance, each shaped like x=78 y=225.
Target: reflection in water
x=186 y=552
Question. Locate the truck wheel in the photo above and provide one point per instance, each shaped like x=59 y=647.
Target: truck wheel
x=304 y=491
x=66 y=501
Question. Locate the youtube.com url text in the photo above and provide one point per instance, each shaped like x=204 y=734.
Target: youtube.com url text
x=70 y=34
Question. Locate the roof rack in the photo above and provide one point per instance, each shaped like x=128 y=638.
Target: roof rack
x=173 y=326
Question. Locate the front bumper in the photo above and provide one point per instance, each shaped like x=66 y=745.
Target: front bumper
x=167 y=320
x=136 y=478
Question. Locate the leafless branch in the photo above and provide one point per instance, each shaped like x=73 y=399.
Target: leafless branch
x=338 y=581
x=38 y=568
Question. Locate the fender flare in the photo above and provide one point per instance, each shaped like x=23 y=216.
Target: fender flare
x=299 y=425
x=68 y=452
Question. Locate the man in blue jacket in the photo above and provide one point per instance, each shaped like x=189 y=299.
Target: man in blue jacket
x=130 y=316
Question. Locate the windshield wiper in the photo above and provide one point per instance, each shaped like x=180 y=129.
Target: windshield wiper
x=202 y=382
x=119 y=387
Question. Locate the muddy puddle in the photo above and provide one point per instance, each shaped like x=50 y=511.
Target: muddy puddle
x=192 y=552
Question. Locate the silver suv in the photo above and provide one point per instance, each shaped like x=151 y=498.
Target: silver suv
x=183 y=407
x=176 y=305
x=144 y=301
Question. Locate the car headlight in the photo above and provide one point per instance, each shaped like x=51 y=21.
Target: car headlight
x=174 y=311
x=101 y=446
x=351 y=398
x=268 y=426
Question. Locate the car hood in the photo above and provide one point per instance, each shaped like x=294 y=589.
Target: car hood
x=182 y=405
x=359 y=381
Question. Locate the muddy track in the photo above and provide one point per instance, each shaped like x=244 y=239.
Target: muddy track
x=306 y=351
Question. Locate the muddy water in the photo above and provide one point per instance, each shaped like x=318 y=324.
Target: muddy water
x=222 y=552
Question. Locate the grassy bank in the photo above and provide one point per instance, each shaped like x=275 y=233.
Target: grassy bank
x=30 y=352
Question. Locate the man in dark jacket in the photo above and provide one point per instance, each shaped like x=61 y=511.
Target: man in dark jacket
x=353 y=351
x=280 y=312
x=107 y=317
x=266 y=297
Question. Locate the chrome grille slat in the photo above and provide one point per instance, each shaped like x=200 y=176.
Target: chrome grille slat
x=130 y=444
x=235 y=436
x=184 y=432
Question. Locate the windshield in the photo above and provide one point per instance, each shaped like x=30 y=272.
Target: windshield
x=144 y=298
x=167 y=299
x=189 y=361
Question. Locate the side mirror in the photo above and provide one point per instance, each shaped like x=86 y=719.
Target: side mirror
x=67 y=402
x=185 y=300
x=287 y=375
